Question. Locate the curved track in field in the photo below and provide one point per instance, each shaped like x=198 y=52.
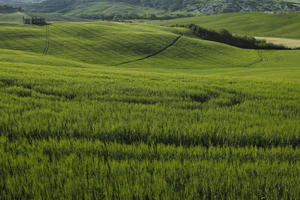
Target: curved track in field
x=153 y=54
x=260 y=59
x=47 y=42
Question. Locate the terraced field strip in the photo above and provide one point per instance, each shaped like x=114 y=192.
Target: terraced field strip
x=154 y=54
x=291 y=43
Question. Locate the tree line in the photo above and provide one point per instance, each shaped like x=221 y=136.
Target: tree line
x=224 y=36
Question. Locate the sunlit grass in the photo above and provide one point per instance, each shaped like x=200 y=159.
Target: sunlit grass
x=200 y=120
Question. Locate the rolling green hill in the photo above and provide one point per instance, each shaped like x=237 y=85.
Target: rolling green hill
x=70 y=41
x=130 y=9
x=255 y=23
x=8 y=9
x=12 y=17
x=107 y=110
x=18 y=2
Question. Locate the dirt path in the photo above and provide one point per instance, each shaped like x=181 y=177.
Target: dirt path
x=47 y=42
x=290 y=43
x=153 y=54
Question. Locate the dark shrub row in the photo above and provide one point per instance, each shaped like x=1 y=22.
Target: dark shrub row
x=224 y=36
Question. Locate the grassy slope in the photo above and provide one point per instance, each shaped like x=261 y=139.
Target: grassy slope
x=99 y=9
x=88 y=42
x=156 y=115
x=254 y=99
x=12 y=17
x=17 y=17
x=113 y=43
x=109 y=8
x=256 y=24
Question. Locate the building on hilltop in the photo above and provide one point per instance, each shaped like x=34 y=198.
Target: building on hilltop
x=34 y=20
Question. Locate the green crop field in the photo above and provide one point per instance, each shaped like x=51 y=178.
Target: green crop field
x=107 y=110
x=253 y=23
x=12 y=17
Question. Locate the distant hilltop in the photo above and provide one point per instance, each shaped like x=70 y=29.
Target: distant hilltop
x=153 y=9
x=9 y=9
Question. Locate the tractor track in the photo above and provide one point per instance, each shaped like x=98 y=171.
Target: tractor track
x=153 y=54
x=261 y=59
x=47 y=42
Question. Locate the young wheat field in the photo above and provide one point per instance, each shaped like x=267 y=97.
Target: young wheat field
x=107 y=110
